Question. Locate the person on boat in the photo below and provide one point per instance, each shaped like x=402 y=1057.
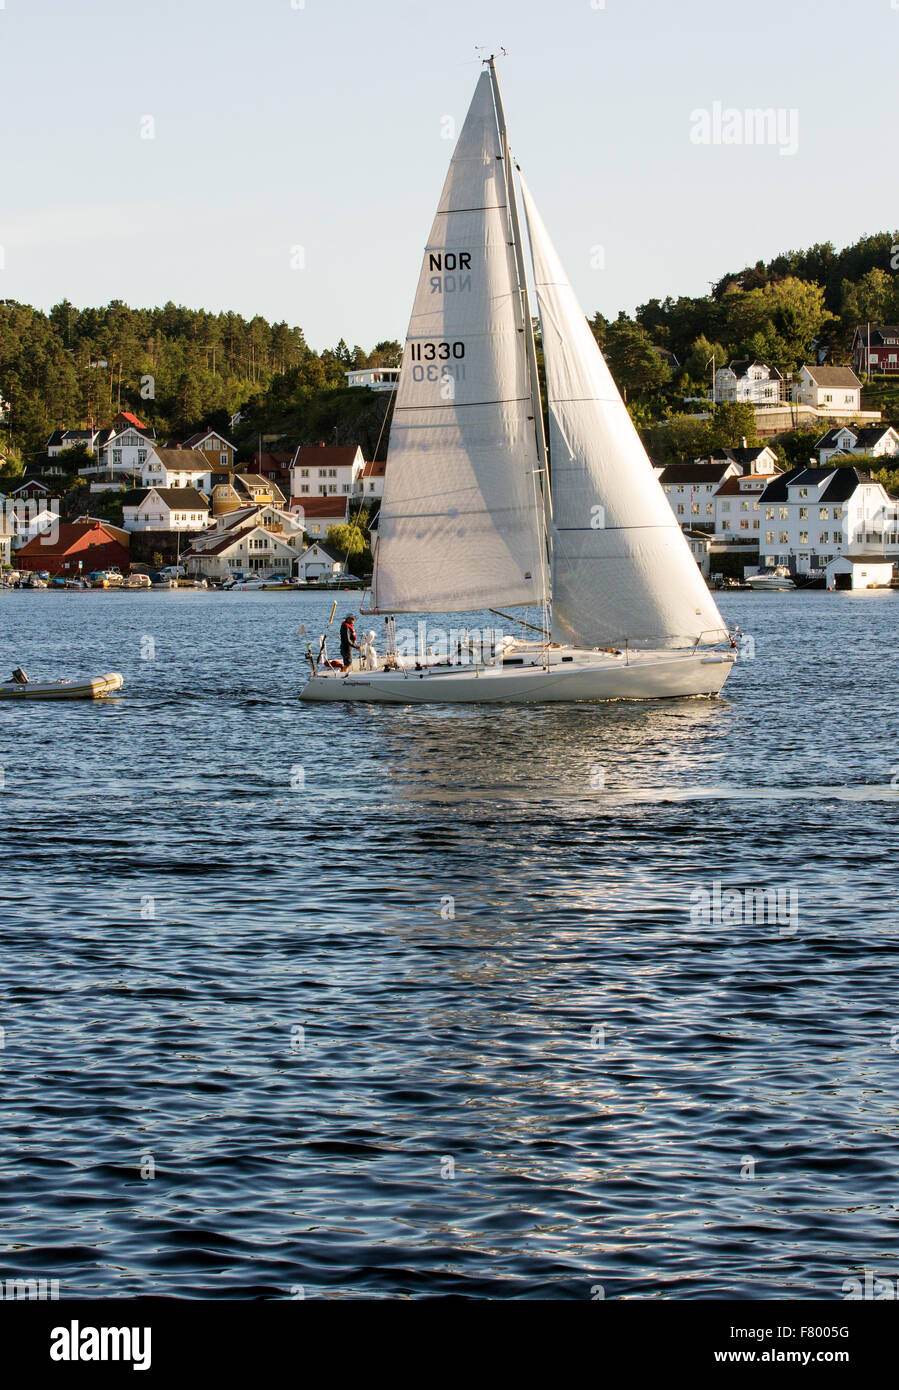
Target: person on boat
x=348 y=640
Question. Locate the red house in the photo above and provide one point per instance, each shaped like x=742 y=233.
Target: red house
x=883 y=354
x=96 y=544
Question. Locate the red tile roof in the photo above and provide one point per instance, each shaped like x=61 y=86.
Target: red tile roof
x=321 y=506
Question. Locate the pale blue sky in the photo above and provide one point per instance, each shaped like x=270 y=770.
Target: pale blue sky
x=320 y=126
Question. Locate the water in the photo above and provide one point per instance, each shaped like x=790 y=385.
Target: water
x=439 y=1020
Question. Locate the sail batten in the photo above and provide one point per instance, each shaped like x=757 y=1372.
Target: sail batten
x=623 y=572
x=457 y=528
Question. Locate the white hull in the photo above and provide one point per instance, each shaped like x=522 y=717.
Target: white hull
x=571 y=675
x=90 y=688
x=768 y=582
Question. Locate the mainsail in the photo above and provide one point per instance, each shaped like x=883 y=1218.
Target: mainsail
x=622 y=569
x=459 y=527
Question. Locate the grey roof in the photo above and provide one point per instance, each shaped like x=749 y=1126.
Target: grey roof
x=329 y=550
x=679 y=474
x=832 y=376
x=842 y=484
x=740 y=366
x=179 y=498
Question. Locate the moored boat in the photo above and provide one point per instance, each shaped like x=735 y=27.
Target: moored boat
x=778 y=578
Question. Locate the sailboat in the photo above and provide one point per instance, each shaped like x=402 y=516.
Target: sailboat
x=481 y=512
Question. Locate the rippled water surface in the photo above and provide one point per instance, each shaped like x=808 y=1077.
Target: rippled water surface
x=398 y=1002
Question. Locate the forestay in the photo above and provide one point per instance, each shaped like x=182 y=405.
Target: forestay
x=458 y=527
x=622 y=569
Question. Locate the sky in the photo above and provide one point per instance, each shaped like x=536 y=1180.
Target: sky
x=285 y=157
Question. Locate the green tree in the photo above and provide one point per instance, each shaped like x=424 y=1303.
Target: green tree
x=632 y=359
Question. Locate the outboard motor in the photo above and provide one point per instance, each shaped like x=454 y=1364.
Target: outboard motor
x=19 y=676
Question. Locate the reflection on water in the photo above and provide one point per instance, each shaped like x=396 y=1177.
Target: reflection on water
x=435 y=1016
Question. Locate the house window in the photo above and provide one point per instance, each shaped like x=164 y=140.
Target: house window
x=803 y=513
x=680 y=508
x=803 y=492
x=116 y=456
x=744 y=506
x=784 y=538
x=828 y=396
x=822 y=513
x=323 y=472
x=769 y=513
x=837 y=513
x=803 y=537
x=838 y=538
x=141 y=455
x=769 y=537
x=304 y=472
x=824 y=538
x=223 y=459
x=725 y=506
x=709 y=507
x=332 y=487
x=784 y=513
x=744 y=525
x=304 y=487
x=332 y=472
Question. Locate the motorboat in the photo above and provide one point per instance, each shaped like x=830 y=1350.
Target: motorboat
x=777 y=578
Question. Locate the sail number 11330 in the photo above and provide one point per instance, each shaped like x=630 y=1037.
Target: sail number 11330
x=436 y=352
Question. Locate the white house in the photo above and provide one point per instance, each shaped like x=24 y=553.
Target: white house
x=326 y=470
x=691 y=487
x=248 y=549
x=287 y=525
x=737 y=506
x=320 y=561
x=123 y=451
x=859 y=572
x=375 y=378
x=5 y=544
x=880 y=441
x=370 y=485
x=700 y=543
x=25 y=520
x=745 y=380
x=176 y=468
x=832 y=390
x=811 y=516
x=70 y=439
x=165 y=509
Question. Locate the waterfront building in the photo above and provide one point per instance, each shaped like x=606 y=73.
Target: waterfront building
x=165 y=509
x=240 y=550
x=74 y=547
x=320 y=561
x=859 y=572
x=691 y=487
x=810 y=516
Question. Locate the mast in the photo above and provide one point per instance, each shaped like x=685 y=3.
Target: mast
x=545 y=504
